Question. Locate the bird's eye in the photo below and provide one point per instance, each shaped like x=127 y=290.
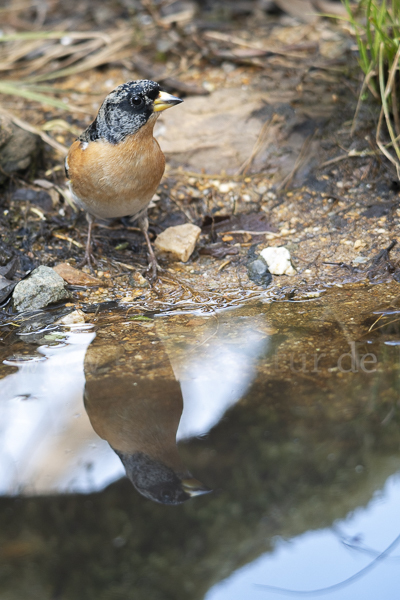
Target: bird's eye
x=136 y=101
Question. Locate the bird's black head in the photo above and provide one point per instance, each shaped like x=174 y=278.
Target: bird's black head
x=157 y=481
x=128 y=108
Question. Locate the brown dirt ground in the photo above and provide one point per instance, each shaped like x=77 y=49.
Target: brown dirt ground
x=271 y=140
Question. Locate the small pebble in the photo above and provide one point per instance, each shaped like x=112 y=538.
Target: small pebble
x=278 y=260
x=137 y=280
x=226 y=187
x=257 y=270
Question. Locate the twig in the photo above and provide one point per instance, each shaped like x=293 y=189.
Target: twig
x=224 y=37
x=217 y=176
x=350 y=154
x=129 y=267
x=270 y=234
x=75 y=53
x=108 y=54
x=118 y=228
x=375 y=322
x=60 y=236
x=38 y=213
x=224 y=264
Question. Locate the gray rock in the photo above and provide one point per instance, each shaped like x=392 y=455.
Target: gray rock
x=257 y=270
x=44 y=286
x=18 y=148
x=6 y=287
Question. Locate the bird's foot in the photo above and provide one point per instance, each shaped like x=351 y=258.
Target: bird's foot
x=153 y=268
x=90 y=261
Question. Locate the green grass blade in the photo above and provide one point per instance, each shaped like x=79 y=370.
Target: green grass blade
x=385 y=106
x=53 y=35
x=15 y=90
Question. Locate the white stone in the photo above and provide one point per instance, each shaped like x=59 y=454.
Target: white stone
x=224 y=188
x=76 y=317
x=278 y=260
x=180 y=241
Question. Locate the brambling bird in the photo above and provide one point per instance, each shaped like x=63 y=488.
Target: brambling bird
x=116 y=165
x=139 y=418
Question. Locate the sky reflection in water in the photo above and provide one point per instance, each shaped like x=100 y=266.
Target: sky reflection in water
x=48 y=444
x=318 y=559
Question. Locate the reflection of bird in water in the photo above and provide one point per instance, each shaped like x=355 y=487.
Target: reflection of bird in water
x=139 y=418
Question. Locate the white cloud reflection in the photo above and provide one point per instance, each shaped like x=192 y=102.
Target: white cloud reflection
x=213 y=383
x=47 y=444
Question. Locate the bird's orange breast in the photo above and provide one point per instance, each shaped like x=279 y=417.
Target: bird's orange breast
x=116 y=180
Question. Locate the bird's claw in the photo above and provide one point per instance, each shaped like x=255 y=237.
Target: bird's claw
x=88 y=260
x=153 y=268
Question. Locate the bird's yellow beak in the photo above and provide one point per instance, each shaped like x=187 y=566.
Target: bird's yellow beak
x=193 y=487
x=165 y=101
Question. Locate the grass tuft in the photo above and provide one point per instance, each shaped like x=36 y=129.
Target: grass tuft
x=376 y=27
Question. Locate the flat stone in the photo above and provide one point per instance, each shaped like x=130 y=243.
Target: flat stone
x=76 y=277
x=219 y=132
x=180 y=241
x=43 y=287
x=278 y=260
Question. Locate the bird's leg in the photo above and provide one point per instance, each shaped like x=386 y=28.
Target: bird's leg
x=153 y=264
x=88 y=259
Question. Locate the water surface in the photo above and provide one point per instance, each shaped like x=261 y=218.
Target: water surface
x=288 y=411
